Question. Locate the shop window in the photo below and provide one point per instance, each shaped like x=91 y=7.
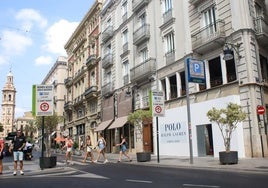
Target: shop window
x=215 y=72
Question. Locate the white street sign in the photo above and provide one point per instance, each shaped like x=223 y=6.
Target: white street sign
x=44 y=100
x=158 y=103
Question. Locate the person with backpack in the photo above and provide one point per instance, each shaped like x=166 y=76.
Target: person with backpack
x=123 y=149
x=18 y=144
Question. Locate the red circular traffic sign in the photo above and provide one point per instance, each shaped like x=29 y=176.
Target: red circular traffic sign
x=260 y=110
x=158 y=109
x=44 y=106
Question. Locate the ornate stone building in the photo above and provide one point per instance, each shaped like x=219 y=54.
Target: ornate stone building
x=8 y=106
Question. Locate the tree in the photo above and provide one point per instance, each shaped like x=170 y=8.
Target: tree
x=227 y=120
x=29 y=129
x=136 y=118
x=50 y=125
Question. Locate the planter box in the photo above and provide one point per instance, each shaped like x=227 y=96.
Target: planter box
x=143 y=156
x=48 y=162
x=228 y=157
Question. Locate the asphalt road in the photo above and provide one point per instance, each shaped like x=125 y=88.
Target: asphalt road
x=132 y=176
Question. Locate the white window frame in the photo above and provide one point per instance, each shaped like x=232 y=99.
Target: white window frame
x=170 y=42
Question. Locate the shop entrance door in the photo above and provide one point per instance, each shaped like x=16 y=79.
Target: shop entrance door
x=147 y=137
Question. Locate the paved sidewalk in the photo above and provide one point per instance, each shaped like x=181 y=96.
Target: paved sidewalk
x=210 y=163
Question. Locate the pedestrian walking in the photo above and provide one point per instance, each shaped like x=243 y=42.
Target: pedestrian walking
x=69 y=146
x=89 y=149
x=18 y=143
x=101 y=148
x=1 y=155
x=123 y=149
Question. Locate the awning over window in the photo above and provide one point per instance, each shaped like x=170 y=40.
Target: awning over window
x=119 y=122
x=103 y=125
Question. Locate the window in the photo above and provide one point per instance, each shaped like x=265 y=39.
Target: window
x=167 y=5
x=125 y=73
x=230 y=70
x=215 y=72
x=108 y=49
x=143 y=55
x=142 y=19
x=93 y=106
x=92 y=78
x=108 y=77
x=125 y=67
x=173 y=87
x=170 y=46
x=124 y=10
x=92 y=49
x=125 y=37
x=145 y=97
x=209 y=20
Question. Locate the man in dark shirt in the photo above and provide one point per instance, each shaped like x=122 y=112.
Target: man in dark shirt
x=18 y=145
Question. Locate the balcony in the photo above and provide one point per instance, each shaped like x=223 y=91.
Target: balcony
x=126 y=79
x=91 y=60
x=141 y=34
x=167 y=16
x=261 y=28
x=107 y=61
x=107 y=33
x=125 y=47
x=68 y=81
x=91 y=92
x=195 y=2
x=170 y=57
x=78 y=100
x=209 y=37
x=68 y=105
x=79 y=74
x=138 y=4
x=107 y=89
x=143 y=71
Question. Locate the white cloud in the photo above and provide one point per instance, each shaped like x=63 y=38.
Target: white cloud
x=43 y=60
x=29 y=17
x=14 y=43
x=58 y=35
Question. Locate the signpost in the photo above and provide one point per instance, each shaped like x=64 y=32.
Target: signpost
x=194 y=72
x=42 y=106
x=158 y=109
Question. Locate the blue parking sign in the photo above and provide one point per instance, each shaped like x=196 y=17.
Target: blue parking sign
x=196 y=71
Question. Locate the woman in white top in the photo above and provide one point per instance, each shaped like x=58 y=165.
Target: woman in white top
x=68 y=145
x=88 y=147
x=101 y=146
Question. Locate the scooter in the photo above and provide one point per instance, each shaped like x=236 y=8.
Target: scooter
x=28 y=153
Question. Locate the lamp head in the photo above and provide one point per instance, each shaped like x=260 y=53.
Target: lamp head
x=228 y=54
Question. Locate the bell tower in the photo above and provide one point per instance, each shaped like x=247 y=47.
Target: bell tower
x=8 y=105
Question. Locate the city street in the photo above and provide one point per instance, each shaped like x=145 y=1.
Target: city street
x=129 y=174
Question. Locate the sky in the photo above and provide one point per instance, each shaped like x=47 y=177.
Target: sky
x=32 y=36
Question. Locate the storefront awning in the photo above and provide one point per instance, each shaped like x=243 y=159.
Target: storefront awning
x=119 y=122
x=103 y=125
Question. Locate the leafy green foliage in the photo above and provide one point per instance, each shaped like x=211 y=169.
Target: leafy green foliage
x=227 y=120
x=50 y=122
x=138 y=116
